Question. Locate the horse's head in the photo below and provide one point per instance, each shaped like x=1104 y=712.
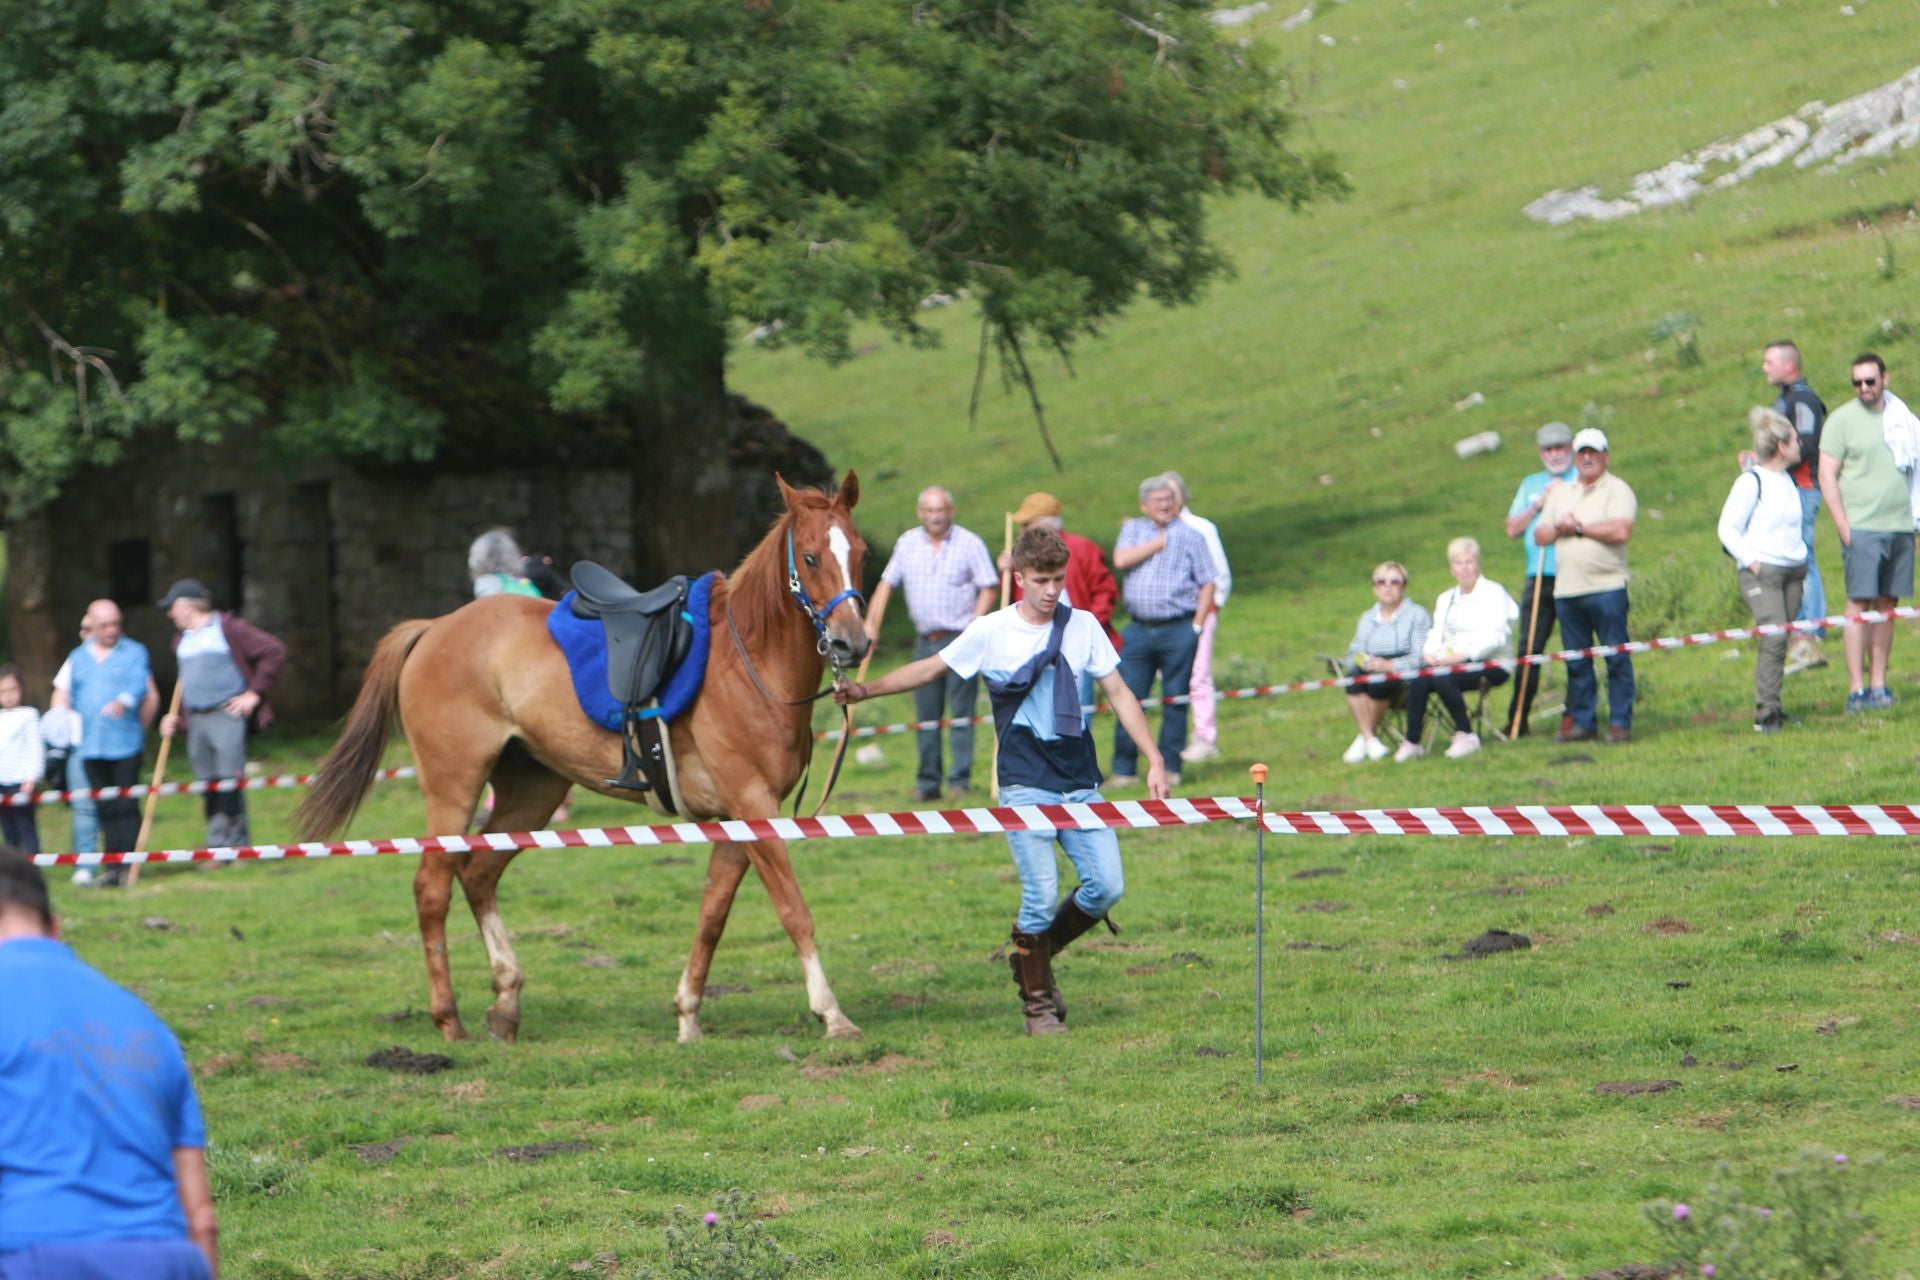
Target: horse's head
x=828 y=559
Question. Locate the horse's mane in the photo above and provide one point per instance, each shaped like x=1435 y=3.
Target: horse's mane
x=757 y=589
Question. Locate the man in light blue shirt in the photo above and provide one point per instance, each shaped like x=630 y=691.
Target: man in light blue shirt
x=1555 y=441
x=103 y=1163
x=110 y=683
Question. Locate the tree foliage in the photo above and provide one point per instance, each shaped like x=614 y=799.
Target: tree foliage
x=391 y=229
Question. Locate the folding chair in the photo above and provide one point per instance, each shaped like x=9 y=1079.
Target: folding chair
x=1393 y=725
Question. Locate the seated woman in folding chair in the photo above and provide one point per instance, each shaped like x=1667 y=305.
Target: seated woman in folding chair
x=1473 y=622
x=1388 y=641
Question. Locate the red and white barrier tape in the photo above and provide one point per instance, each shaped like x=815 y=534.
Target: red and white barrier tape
x=1457 y=668
x=277 y=780
x=1471 y=820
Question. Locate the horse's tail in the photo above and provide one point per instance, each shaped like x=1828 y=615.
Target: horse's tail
x=348 y=770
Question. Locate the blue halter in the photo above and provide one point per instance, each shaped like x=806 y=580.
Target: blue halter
x=818 y=617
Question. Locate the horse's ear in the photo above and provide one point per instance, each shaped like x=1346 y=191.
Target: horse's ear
x=849 y=491
x=786 y=490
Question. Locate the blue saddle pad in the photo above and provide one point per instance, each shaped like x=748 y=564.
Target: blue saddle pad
x=585 y=644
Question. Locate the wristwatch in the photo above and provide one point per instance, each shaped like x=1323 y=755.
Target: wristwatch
x=1579 y=530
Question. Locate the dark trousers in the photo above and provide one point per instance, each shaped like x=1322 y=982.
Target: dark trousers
x=1451 y=690
x=17 y=824
x=1527 y=682
x=1165 y=649
x=1587 y=621
x=951 y=697
x=119 y=819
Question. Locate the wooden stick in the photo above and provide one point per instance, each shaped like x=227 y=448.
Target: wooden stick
x=153 y=792
x=1006 y=598
x=1520 y=677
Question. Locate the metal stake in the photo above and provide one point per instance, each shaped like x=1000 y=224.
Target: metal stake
x=1259 y=772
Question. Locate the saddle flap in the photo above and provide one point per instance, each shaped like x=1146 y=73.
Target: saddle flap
x=644 y=648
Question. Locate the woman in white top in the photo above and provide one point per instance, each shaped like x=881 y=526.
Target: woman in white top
x=1760 y=529
x=1472 y=622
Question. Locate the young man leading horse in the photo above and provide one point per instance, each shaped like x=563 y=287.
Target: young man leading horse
x=1032 y=654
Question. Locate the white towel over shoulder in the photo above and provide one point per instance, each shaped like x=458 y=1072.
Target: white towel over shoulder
x=1902 y=431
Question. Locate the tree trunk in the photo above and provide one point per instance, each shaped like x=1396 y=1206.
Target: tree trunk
x=683 y=491
x=36 y=635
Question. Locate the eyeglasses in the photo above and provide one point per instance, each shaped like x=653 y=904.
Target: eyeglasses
x=1866 y=382
x=1389 y=582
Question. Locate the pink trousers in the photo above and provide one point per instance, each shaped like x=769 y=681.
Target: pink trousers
x=1204 y=728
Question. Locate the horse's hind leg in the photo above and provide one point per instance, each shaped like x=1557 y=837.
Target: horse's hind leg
x=450 y=804
x=525 y=794
x=725 y=869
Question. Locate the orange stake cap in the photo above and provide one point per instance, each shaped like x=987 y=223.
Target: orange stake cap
x=1259 y=772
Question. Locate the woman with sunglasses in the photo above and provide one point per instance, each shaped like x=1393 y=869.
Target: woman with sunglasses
x=1388 y=641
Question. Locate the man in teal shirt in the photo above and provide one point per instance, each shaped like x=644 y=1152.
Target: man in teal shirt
x=1867 y=497
x=1555 y=441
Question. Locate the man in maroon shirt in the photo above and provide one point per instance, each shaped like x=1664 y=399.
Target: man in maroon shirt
x=1090 y=584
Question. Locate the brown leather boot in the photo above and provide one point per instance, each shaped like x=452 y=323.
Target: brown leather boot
x=1033 y=973
x=1069 y=923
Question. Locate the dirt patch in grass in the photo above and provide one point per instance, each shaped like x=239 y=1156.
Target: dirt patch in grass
x=217 y=1063
x=887 y=1064
x=1311 y=946
x=1324 y=905
x=468 y=1091
x=1498 y=891
x=1599 y=909
x=1667 y=927
x=1141 y=970
x=379 y=1152
x=401 y=1058
x=266 y=1002
x=758 y=1101
x=901 y=1000
x=1493 y=942
x=1906 y=1101
x=1109 y=943
x=1314 y=873
x=281 y=1062
x=940 y=1238
x=1488 y=1075
x=1208 y=1051
x=1713 y=1120
x=534 y=1151
x=715 y=990
x=1633 y=1088
x=399 y=1015
x=599 y=962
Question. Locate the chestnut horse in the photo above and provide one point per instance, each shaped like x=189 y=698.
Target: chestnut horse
x=483 y=695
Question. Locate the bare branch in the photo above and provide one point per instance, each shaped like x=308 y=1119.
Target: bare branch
x=82 y=359
x=1033 y=395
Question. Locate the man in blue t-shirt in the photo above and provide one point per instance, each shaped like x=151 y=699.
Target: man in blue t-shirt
x=103 y=1163
x=1555 y=441
x=1032 y=654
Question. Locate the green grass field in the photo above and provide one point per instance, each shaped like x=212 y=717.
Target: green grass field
x=1421 y=1116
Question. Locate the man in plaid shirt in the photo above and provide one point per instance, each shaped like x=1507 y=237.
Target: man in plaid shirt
x=949 y=580
x=1169 y=588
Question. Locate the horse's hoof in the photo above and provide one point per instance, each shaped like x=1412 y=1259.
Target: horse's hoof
x=839 y=1027
x=689 y=1030
x=452 y=1029
x=502 y=1028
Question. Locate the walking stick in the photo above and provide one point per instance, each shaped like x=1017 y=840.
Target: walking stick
x=153 y=792
x=1520 y=683
x=1006 y=598
x=1259 y=772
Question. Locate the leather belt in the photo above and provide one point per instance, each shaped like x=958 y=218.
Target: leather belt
x=938 y=635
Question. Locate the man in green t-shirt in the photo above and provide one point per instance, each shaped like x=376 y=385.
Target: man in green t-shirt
x=1867 y=497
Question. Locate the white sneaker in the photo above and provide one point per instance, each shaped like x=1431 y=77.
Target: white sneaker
x=83 y=876
x=1357 y=752
x=1376 y=749
x=1408 y=751
x=1199 y=751
x=1464 y=744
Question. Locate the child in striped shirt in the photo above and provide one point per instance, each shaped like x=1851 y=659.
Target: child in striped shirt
x=22 y=759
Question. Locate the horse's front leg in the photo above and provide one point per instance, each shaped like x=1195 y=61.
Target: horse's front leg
x=725 y=869
x=776 y=872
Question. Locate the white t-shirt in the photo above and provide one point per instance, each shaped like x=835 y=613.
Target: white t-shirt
x=1002 y=642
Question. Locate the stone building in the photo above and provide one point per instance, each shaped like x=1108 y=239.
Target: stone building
x=328 y=555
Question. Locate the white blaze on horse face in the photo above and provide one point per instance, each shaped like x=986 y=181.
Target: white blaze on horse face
x=841 y=548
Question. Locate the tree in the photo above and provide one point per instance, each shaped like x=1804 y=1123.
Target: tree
x=446 y=227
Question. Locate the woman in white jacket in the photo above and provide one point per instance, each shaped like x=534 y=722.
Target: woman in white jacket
x=1472 y=622
x=1768 y=551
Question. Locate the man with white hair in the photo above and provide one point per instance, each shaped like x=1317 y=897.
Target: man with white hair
x=109 y=681
x=949 y=580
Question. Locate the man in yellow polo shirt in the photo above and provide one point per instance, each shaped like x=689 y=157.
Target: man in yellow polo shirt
x=1588 y=524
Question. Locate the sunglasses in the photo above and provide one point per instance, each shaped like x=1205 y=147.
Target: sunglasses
x=1866 y=382
x=1389 y=582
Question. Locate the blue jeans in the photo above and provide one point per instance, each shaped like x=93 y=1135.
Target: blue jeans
x=1166 y=649
x=950 y=698
x=1813 y=595
x=86 y=813
x=1600 y=618
x=1095 y=855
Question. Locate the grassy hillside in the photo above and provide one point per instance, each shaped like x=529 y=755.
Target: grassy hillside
x=1423 y=1116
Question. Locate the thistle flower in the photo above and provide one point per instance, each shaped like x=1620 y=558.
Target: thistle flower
x=1681 y=1213
x=711 y=1218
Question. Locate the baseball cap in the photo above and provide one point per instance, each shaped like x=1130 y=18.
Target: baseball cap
x=1590 y=438
x=1553 y=435
x=1035 y=505
x=185 y=589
